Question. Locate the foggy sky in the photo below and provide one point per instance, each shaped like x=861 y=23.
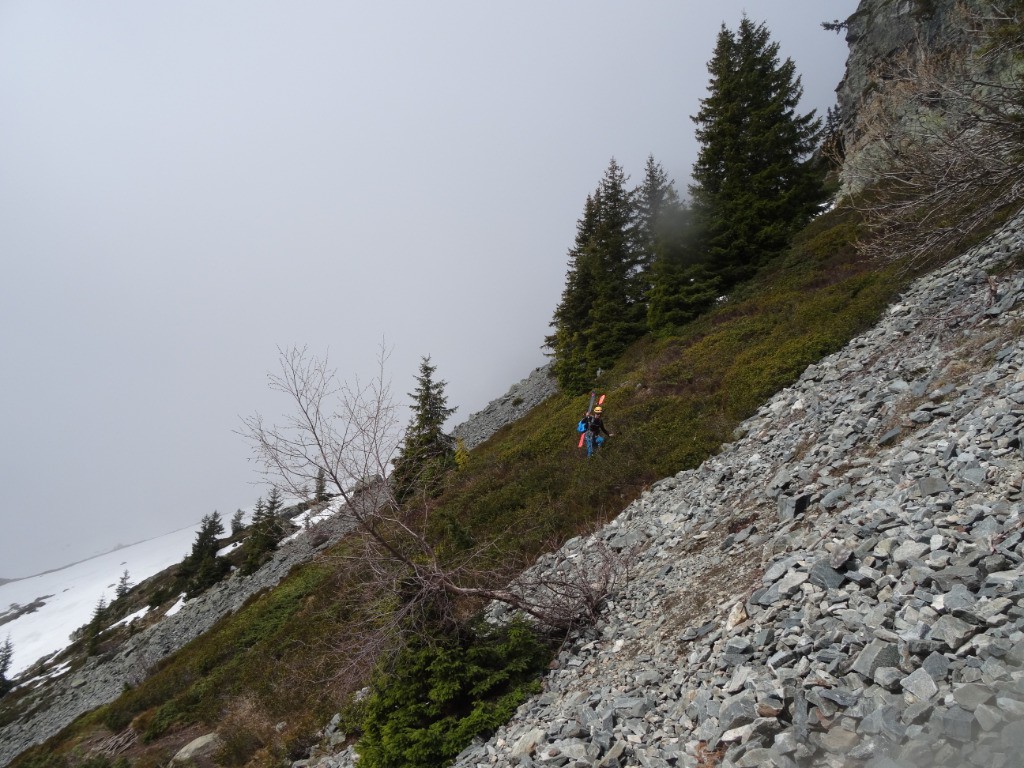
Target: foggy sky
x=185 y=187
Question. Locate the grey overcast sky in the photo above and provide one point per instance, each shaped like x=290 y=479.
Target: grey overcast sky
x=187 y=186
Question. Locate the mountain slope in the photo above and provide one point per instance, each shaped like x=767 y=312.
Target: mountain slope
x=843 y=585
x=672 y=401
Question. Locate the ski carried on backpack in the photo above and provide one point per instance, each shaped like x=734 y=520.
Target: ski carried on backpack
x=582 y=427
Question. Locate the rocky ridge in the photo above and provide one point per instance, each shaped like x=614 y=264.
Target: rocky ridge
x=843 y=585
x=514 y=404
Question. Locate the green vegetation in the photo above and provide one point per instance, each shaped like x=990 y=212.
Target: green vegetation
x=433 y=699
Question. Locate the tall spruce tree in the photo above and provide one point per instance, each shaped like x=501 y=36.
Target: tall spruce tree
x=682 y=284
x=677 y=284
x=754 y=182
x=571 y=321
x=427 y=452
x=602 y=307
x=617 y=314
x=658 y=214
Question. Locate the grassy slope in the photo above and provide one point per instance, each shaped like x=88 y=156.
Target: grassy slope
x=671 y=402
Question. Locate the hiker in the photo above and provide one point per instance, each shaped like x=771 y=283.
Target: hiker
x=594 y=425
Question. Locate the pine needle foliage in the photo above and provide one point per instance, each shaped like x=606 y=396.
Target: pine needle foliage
x=435 y=698
x=755 y=184
x=427 y=452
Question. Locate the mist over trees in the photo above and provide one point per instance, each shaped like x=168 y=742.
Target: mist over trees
x=644 y=260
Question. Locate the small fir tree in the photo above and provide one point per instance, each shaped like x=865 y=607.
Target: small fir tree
x=6 y=656
x=265 y=534
x=602 y=309
x=124 y=585
x=320 y=494
x=427 y=452
x=203 y=568
x=237 y=522
x=94 y=628
x=274 y=502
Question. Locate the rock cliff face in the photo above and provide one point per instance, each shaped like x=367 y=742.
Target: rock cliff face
x=887 y=39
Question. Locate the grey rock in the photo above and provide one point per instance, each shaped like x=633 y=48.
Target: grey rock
x=952 y=631
x=988 y=717
x=932 y=486
x=958 y=724
x=877 y=653
x=198 y=749
x=936 y=665
x=910 y=550
x=822 y=574
x=737 y=710
x=839 y=740
x=920 y=684
x=888 y=677
x=972 y=695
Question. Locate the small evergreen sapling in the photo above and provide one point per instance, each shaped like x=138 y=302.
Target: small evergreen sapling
x=124 y=585
x=6 y=656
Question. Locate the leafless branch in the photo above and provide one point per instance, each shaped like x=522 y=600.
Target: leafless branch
x=351 y=434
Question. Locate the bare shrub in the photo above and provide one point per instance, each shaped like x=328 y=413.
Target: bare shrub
x=943 y=142
x=244 y=730
x=573 y=590
x=350 y=435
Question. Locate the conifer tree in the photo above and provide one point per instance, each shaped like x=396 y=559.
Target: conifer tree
x=237 y=522
x=202 y=568
x=95 y=626
x=320 y=492
x=678 y=285
x=602 y=307
x=658 y=212
x=568 y=343
x=274 y=502
x=617 y=315
x=265 y=533
x=6 y=656
x=124 y=584
x=754 y=183
x=682 y=284
x=427 y=452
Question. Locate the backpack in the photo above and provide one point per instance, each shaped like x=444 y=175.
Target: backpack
x=582 y=426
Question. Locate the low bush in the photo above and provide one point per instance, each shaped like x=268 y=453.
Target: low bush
x=432 y=700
